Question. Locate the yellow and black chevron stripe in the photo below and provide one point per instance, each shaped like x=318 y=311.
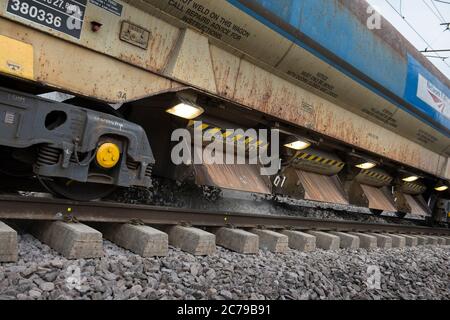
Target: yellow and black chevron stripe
x=415 y=187
x=228 y=135
x=378 y=176
x=313 y=158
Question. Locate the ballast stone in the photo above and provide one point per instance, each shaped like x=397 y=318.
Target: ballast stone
x=272 y=241
x=300 y=240
x=8 y=243
x=142 y=240
x=72 y=240
x=325 y=240
x=237 y=240
x=347 y=240
x=192 y=240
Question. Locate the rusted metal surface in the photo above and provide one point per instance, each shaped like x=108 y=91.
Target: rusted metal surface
x=226 y=69
x=233 y=176
x=242 y=177
x=78 y=70
x=191 y=63
x=261 y=90
x=27 y=208
x=296 y=63
x=239 y=30
x=322 y=188
x=378 y=199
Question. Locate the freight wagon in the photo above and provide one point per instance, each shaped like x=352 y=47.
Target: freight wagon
x=92 y=91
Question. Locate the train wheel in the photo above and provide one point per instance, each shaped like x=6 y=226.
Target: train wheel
x=13 y=166
x=77 y=191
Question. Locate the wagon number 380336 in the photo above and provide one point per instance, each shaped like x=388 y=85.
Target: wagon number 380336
x=34 y=12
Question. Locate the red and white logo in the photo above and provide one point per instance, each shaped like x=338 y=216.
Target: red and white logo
x=432 y=96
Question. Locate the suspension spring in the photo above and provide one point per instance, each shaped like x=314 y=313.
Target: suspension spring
x=48 y=156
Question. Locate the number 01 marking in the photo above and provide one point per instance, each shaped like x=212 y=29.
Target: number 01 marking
x=279 y=181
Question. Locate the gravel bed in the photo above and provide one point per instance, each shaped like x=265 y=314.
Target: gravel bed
x=410 y=273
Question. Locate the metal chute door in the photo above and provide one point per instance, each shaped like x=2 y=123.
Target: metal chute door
x=241 y=177
x=409 y=197
x=418 y=208
x=322 y=188
x=375 y=186
x=312 y=174
x=236 y=177
x=378 y=199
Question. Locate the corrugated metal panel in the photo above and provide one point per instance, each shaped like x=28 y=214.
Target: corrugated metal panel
x=416 y=207
x=242 y=177
x=322 y=188
x=237 y=177
x=378 y=199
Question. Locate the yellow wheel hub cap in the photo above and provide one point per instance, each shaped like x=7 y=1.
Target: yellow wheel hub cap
x=108 y=155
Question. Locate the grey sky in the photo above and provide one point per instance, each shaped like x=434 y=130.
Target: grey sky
x=420 y=16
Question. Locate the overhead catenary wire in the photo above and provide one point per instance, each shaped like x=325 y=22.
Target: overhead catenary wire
x=444 y=22
x=437 y=9
x=432 y=10
x=439 y=18
x=442 y=1
x=443 y=58
x=440 y=50
x=415 y=31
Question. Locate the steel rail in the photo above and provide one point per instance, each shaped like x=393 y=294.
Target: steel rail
x=33 y=208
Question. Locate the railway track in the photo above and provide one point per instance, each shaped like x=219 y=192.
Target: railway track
x=31 y=208
x=76 y=230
